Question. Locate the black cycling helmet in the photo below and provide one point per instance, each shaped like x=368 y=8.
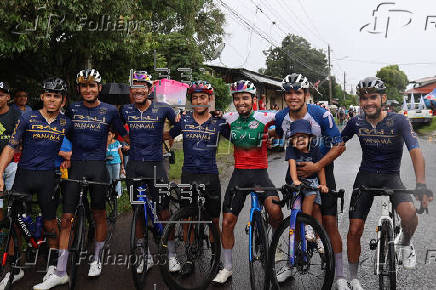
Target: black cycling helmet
x=4 y=86
x=55 y=84
x=371 y=85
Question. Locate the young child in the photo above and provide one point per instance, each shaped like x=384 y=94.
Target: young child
x=114 y=159
x=300 y=149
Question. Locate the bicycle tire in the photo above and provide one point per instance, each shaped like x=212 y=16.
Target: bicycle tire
x=193 y=250
x=259 y=249
x=11 y=261
x=388 y=275
x=76 y=245
x=327 y=259
x=111 y=213
x=139 y=279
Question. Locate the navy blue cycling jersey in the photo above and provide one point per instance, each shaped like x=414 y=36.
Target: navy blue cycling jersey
x=382 y=146
x=146 y=130
x=200 y=142
x=41 y=141
x=322 y=122
x=90 y=129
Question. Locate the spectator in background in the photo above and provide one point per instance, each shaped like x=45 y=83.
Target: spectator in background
x=262 y=102
x=276 y=107
x=114 y=159
x=255 y=103
x=20 y=101
x=8 y=120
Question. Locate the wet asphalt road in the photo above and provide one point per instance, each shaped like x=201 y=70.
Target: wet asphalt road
x=346 y=168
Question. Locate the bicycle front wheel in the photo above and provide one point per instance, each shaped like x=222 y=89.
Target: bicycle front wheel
x=259 y=253
x=197 y=247
x=10 y=252
x=314 y=266
x=387 y=275
x=76 y=245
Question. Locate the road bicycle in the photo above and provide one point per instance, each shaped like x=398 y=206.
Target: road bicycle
x=387 y=256
x=197 y=242
x=311 y=265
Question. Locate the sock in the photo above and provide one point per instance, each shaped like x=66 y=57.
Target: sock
x=227 y=255
x=53 y=258
x=404 y=239
x=352 y=269
x=339 y=268
x=98 y=247
x=61 y=269
x=171 y=249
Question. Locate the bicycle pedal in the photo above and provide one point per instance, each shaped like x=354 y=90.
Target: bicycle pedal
x=373 y=244
x=247 y=229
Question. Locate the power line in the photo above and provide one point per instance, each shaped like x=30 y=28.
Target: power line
x=311 y=22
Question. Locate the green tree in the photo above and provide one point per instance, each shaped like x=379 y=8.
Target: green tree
x=223 y=98
x=296 y=55
x=39 y=39
x=395 y=80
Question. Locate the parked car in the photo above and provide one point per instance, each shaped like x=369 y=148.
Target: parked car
x=418 y=116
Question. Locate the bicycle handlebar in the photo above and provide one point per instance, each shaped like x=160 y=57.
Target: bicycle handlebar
x=85 y=182
x=391 y=192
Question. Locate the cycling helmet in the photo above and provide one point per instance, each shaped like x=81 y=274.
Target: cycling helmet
x=88 y=75
x=4 y=86
x=200 y=87
x=140 y=76
x=243 y=87
x=295 y=81
x=371 y=85
x=57 y=85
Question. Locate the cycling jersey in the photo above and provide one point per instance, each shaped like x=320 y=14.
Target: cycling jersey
x=90 y=129
x=41 y=141
x=200 y=142
x=323 y=126
x=249 y=136
x=8 y=121
x=382 y=146
x=146 y=130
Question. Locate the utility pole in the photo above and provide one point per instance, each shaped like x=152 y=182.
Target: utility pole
x=345 y=93
x=330 y=80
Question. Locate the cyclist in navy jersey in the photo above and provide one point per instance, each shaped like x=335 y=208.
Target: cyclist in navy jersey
x=200 y=142
x=382 y=136
x=145 y=119
x=40 y=133
x=91 y=120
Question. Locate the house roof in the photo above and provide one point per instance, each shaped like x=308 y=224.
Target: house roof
x=424 y=81
x=252 y=75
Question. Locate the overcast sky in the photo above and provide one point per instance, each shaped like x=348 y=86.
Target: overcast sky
x=338 y=23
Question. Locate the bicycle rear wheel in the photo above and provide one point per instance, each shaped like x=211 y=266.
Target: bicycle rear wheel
x=312 y=269
x=388 y=274
x=198 y=243
x=76 y=245
x=10 y=254
x=259 y=253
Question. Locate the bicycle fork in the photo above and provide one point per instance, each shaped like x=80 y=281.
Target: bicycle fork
x=255 y=206
x=292 y=225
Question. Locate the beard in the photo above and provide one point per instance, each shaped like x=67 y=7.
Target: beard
x=92 y=101
x=296 y=110
x=374 y=115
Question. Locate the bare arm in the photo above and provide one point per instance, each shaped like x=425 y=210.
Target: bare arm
x=120 y=152
x=418 y=164
x=5 y=159
x=307 y=169
x=65 y=154
x=322 y=181
x=293 y=171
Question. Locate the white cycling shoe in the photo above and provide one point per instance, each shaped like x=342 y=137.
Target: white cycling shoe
x=284 y=274
x=52 y=281
x=310 y=235
x=5 y=280
x=140 y=267
x=355 y=285
x=174 y=265
x=341 y=284
x=50 y=271
x=94 y=269
x=408 y=256
x=222 y=276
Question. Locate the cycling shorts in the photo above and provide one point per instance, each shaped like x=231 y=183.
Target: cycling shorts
x=234 y=201
x=361 y=205
x=92 y=170
x=213 y=190
x=39 y=182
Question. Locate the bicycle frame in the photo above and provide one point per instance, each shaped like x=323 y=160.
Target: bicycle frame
x=296 y=209
x=149 y=210
x=255 y=206
x=386 y=213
